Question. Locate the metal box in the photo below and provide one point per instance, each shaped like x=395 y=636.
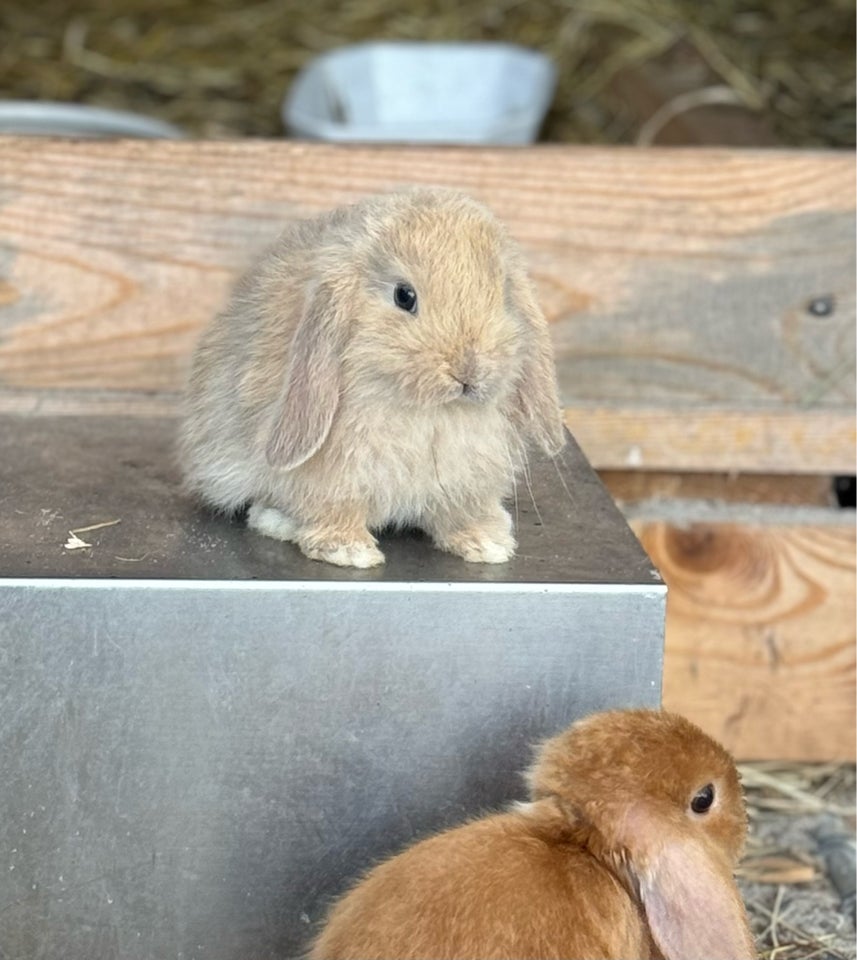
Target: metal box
x=204 y=736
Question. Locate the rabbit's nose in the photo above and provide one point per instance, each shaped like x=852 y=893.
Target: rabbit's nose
x=467 y=385
x=470 y=390
x=472 y=379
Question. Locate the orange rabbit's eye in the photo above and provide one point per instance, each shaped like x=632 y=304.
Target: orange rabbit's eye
x=405 y=297
x=703 y=799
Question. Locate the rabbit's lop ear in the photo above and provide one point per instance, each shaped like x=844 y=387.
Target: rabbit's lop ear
x=692 y=904
x=536 y=400
x=311 y=391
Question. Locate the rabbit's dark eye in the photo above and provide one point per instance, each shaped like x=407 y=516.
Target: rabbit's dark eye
x=405 y=297
x=702 y=800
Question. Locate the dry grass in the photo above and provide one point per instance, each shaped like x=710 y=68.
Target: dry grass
x=794 y=894
x=220 y=67
x=799 y=788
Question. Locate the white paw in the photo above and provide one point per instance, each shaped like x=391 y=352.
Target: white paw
x=489 y=541
x=357 y=554
x=272 y=522
x=486 y=550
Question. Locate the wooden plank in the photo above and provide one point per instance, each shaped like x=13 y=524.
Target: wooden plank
x=688 y=438
x=760 y=637
x=638 y=490
x=678 y=282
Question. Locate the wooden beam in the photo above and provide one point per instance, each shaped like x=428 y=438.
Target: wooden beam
x=649 y=490
x=702 y=301
x=760 y=637
x=763 y=440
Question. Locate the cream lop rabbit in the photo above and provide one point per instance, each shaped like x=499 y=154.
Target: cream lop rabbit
x=385 y=364
x=626 y=851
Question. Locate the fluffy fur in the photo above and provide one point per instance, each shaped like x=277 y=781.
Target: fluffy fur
x=608 y=861
x=334 y=413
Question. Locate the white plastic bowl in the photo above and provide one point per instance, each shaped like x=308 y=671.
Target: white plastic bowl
x=405 y=92
x=47 y=118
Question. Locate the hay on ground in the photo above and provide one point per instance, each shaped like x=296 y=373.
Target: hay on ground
x=221 y=67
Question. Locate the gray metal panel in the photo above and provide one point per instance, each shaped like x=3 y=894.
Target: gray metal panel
x=192 y=767
x=189 y=772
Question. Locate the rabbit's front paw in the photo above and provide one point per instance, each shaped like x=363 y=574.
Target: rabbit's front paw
x=487 y=540
x=476 y=549
x=355 y=553
x=477 y=545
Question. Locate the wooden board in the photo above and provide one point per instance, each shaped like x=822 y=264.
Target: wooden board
x=678 y=282
x=633 y=489
x=684 y=438
x=760 y=639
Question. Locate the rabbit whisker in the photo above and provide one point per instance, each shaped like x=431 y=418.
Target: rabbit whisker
x=513 y=474
x=528 y=482
x=565 y=486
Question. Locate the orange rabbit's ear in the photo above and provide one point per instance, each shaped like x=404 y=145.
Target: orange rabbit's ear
x=311 y=391
x=536 y=400
x=692 y=903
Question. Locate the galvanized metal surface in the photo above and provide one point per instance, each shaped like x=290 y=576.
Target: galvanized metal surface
x=62 y=473
x=200 y=746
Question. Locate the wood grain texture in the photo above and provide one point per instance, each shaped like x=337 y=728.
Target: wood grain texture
x=677 y=281
x=760 y=636
x=752 y=439
x=633 y=489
